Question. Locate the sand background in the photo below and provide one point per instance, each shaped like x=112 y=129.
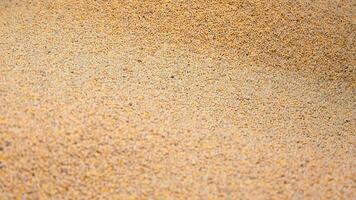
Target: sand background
x=177 y=99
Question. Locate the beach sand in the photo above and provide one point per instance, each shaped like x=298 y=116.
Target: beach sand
x=177 y=99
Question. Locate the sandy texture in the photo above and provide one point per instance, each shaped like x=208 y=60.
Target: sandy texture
x=177 y=99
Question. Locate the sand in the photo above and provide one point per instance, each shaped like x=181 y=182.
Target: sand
x=177 y=99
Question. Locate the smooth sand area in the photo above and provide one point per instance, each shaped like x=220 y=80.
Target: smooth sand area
x=177 y=99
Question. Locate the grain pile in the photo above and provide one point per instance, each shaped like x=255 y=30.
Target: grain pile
x=177 y=99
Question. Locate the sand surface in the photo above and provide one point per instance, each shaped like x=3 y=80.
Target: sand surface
x=177 y=99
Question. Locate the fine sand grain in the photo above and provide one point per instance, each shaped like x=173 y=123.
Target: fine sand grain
x=177 y=99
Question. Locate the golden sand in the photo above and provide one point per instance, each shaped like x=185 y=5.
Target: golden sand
x=177 y=99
